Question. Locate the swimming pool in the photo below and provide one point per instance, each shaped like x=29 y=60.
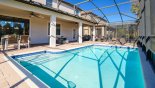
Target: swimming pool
x=87 y=67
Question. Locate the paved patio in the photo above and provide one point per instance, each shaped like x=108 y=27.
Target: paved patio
x=11 y=78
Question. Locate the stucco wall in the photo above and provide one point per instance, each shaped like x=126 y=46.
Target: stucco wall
x=31 y=8
x=63 y=7
x=40 y=1
x=67 y=30
x=152 y=24
x=54 y=4
x=152 y=16
x=147 y=23
x=142 y=19
x=39 y=31
x=87 y=30
x=39 y=26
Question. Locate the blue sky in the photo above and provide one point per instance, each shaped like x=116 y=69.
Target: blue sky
x=101 y=3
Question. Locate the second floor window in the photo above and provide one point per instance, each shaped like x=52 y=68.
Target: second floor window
x=77 y=12
x=49 y=3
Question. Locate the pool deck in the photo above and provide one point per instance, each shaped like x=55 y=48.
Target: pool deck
x=11 y=76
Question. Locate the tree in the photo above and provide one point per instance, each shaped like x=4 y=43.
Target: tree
x=7 y=27
x=18 y=30
x=136 y=8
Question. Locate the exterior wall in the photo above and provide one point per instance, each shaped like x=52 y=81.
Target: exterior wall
x=40 y=1
x=70 y=9
x=31 y=8
x=21 y=10
x=54 y=3
x=38 y=27
x=142 y=19
x=63 y=7
x=99 y=32
x=90 y=17
x=147 y=23
x=67 y=28
x=87 y=30
x=152 y=6
x=93 y=18
x=143 y=22
x=66 y=8
x=39 y=31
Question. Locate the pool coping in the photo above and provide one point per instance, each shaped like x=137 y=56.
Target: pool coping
x=23 y=72
x=62 y=51
x=34 y=80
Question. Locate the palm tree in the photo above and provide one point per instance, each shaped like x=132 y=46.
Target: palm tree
x=135 y=8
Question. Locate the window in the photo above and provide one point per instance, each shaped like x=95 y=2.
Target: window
x=49 y=3
x=57 y=29
x=12 y=25
x=77 y=12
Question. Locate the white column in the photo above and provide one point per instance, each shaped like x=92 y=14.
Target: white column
x=52 y=40
x=6 y=44
x=103 y=31
x=18 y=42
x=94 y=33
x=80 y=32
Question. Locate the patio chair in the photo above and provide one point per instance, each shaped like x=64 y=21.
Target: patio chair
x=102 y=39
x=122 y=41
x=24 y=41
x=113 y=41
x=11 y=40
x=105 y=39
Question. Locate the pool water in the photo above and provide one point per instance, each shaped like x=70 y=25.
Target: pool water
x=88 y=67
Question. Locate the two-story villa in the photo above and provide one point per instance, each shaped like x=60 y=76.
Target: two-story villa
x=45 y=20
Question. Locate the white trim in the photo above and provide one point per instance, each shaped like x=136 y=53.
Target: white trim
x=80 y=32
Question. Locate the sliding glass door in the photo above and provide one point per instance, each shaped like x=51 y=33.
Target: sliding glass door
x=13 y=26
